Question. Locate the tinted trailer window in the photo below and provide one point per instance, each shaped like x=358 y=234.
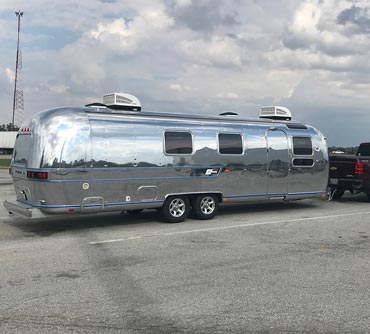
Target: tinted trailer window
x=22 y=149
x=302 y=145
x=230 y=143
x=178 y=143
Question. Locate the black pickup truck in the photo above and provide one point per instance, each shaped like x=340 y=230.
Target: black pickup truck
x=350 y=172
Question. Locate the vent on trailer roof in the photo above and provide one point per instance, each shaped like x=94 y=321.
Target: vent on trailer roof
x=96 y=105
x=276 y=112
x=229 y=113
x=122 y=101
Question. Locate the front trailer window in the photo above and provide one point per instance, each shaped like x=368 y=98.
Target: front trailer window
x=302 y=146
x=22 y=148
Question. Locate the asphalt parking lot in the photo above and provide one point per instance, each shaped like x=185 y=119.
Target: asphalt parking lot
x=262 y=268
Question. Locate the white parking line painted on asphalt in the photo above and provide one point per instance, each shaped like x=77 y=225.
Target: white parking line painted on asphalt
x=297 y=220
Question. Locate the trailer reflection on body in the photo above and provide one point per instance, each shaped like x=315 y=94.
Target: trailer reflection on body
x=115 y=157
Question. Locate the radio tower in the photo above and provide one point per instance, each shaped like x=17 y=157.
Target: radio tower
x=18 y=104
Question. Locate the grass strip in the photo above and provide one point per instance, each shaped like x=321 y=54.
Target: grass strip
x=4 y=163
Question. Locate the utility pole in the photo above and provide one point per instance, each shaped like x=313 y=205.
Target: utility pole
x=18 y=103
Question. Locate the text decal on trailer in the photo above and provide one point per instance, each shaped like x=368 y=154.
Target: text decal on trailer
x=212 y=171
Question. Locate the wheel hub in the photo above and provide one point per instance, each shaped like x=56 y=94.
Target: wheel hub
x=177 y=208
x=207 y=205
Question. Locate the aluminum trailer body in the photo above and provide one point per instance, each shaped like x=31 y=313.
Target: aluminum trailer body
x=82 y=160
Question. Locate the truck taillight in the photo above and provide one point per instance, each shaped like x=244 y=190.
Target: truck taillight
x=37 y=175
x=359 y=168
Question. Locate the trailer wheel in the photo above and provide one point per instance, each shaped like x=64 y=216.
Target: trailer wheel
x=205 y=206
x=175 y=209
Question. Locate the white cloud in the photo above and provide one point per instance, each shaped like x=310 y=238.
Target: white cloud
x=58 y=89
x=112 y=39
x=183 y=3
x=122 y=35
x=206 y=56
x=181 y=88
x=219 y=51
x=10 y=75
x=229 y=96
x=315 y=28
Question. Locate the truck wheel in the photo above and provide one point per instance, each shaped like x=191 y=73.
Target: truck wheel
x=175 y=209
x=205 y=206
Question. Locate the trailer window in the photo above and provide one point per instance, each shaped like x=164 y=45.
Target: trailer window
x=230 y=143
x=178 y=143
x=302 y=145
x=22 y=149
x=303 y=162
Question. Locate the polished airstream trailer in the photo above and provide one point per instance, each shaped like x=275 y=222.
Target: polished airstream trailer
x=104 y=158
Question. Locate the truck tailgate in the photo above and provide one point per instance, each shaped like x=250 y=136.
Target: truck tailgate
x=342 y=166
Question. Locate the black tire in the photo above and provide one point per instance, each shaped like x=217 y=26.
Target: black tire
x=205 y=206
x=175 y=209
x=338 y=194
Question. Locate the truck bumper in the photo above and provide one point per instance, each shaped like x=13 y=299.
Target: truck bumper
x=18 y=209
x=346 y=184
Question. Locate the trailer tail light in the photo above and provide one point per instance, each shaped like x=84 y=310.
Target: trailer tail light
x=359 y=168
x=37 y=175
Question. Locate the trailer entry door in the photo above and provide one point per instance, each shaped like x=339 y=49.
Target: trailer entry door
x=277 y=163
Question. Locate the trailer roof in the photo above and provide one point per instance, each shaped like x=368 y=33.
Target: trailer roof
x=153 y=114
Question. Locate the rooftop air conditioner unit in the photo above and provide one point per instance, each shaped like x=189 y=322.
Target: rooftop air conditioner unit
x=276 y=112
x=122 y=101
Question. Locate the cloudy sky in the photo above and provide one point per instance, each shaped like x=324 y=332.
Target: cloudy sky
x=196 y=56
